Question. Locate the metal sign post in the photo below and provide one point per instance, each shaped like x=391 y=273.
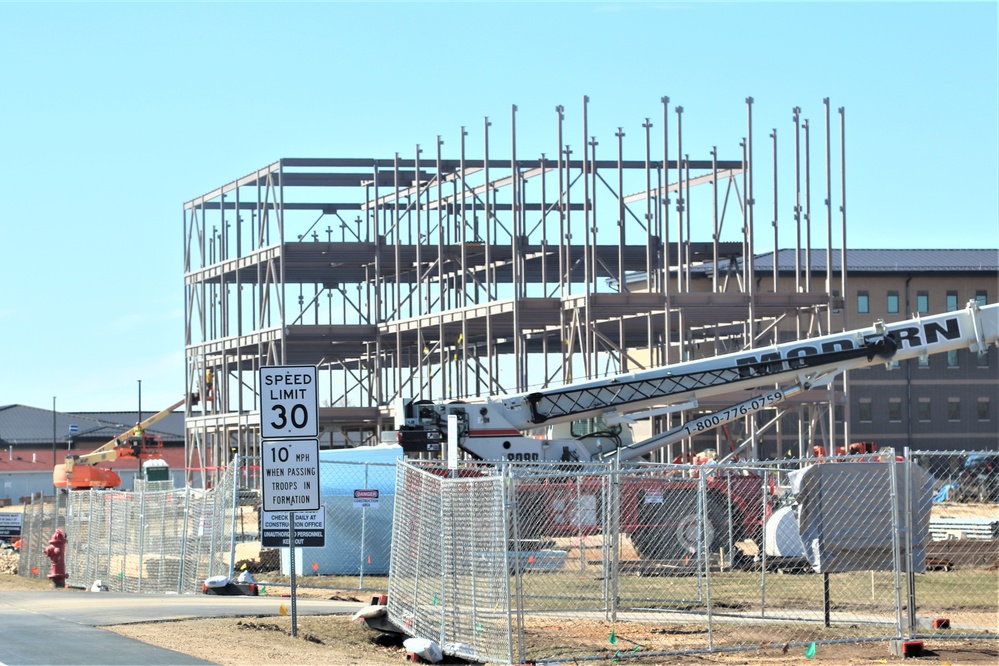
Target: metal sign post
x=289 y=430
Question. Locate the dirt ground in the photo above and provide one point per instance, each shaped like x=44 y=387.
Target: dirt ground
x=337 y=641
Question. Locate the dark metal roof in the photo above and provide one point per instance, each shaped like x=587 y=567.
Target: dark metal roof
x=22 y=425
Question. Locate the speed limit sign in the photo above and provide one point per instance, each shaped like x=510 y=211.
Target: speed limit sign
x=289 y=402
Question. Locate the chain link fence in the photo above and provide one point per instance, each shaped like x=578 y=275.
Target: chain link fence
x=959 y=591
x=530 y=563
x=449 y=577
x=523 y=562
x=358 y=499
x=155 y=539
x=158 y=538
x=42 y=517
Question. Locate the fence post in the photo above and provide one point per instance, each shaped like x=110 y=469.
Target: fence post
x=704 y=547
x=910 y=575
x=896 y=543
x=730 y=525
x=90 y=568
x=763 y=550
x=364 y=522
x=111 y=534
x=181 y=576
x=142 y=531
x=615 y=534
x=447 y=527
x=235 y=507
x=508 y=506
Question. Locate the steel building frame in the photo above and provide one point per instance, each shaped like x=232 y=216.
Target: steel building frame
x=469 y=275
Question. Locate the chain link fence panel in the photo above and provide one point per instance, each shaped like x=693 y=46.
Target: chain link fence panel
x=358 y=499
x=449 y=577
x=654 y=560
x=521 y=562
x=958 y=595
x=164 y=539
x=155 y=539
x=42 y=517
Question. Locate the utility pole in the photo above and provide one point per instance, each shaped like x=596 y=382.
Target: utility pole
x=53 y=433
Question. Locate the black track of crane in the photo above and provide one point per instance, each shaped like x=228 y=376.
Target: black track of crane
x=569 y=401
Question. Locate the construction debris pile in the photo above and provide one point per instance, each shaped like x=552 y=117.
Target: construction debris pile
x=8 y=562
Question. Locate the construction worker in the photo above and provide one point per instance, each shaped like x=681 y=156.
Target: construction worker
x=137 y=430
x=209 y=379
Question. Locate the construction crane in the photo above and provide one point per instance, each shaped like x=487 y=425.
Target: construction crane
x=495 y=428
x=80 y=472
x=588 y=421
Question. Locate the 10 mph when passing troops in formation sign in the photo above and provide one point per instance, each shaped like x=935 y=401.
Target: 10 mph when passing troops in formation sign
x=289 y=427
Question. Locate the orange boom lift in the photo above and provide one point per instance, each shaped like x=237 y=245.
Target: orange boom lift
x=81 y=472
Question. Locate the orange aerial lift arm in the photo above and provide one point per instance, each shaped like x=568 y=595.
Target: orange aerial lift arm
x=128 y=444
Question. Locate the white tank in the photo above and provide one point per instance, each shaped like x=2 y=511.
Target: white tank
x=780 y=534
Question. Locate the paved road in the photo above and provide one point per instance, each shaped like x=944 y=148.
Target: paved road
x=59 y=627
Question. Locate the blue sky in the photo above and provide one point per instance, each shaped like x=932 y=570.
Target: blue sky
x=114 y=115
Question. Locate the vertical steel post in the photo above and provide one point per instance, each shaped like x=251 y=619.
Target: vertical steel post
x=808 y=209
x=462 y=238
x=705 y=548
x=776 y=272
x=845 y=323
x=588 y=268
x=445 y=548
x=232 y=523
x=291 y=570
x=142 y=530
x=91 y=566
x=750 y=220
x=509 y=509
x=663 y=205
x=908 y=469
x=896 y=541
x=364 y=523
x=183 y=541
x=622 y=282
x=490 y=270
x=516 y=256
x=826 y=602
x=763 y=551
x=797 y=199
x=615 y=534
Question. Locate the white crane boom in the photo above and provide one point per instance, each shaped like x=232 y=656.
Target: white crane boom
x=493 y=428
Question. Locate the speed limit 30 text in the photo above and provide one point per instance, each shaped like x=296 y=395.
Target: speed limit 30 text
x=289 y=386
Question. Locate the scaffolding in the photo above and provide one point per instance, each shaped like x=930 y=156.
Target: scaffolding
x=450 y=277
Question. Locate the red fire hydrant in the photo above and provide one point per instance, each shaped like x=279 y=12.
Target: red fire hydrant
x=56 y=551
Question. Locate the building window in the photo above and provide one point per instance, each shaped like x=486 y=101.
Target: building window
x=951 y=301
x=924 y=409
x=892 y=302
x=895 y=410
x=952 y=358
x=864 y=410
x=982 y=297
x=863 y=302
x=953 y=409
x=983 y=409
x=923 y=302
x=923 y=361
